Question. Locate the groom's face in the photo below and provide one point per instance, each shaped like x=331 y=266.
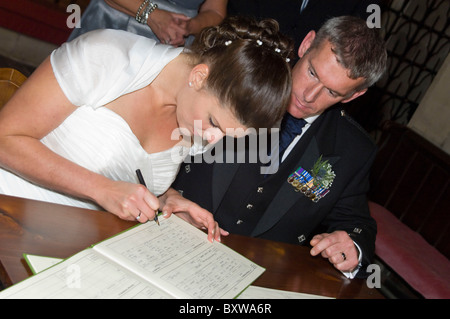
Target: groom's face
x=320 y=81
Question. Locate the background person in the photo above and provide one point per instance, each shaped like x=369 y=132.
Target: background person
x=172 y=22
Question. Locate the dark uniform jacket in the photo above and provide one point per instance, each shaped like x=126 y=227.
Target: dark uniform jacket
x=246 y=202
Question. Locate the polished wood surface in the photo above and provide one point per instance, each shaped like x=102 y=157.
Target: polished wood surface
x=10 y=81
x=33 y=227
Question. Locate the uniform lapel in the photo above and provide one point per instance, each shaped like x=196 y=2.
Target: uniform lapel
x=222 y=176
x=309 y=152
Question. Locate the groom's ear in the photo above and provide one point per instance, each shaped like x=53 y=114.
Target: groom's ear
x=306 y=43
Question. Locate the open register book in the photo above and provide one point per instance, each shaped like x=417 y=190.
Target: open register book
x=174 y=260
x=40 y=263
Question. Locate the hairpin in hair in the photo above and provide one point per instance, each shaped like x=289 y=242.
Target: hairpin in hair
x=227 y=43
x=288 y=60
x=277 y=50
x=259 y=42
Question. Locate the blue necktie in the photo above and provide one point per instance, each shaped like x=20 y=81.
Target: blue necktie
x=290 y=127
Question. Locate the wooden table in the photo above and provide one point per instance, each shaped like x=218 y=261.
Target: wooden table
x=39 y=228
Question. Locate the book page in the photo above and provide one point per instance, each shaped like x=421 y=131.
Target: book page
x=178 y=258
x=86 y=275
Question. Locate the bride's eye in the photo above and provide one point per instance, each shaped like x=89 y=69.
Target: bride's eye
x=211 y=122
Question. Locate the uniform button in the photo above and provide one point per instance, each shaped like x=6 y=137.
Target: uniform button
x=239 y=222
x=260 y=189
x=187 y=168
x=301 y=238
x=249 y=206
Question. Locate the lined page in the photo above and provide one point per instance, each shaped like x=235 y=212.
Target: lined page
x=85 y=275
x=178 y=258
x=147 y=261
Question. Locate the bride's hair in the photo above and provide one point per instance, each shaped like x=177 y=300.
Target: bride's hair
x=249 y=68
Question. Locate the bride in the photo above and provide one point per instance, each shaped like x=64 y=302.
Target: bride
x=106 y=104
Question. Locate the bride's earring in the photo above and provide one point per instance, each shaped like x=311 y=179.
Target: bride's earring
x=190 y=84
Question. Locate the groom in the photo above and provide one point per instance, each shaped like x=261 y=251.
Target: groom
x=318 y=194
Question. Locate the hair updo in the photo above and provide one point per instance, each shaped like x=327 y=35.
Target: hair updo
x=249 y=68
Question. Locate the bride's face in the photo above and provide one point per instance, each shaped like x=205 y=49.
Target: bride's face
x=202 y=115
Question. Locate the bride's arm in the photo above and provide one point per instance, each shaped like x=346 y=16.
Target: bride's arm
x=37 y=108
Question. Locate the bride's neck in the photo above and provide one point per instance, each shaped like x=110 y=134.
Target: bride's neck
x=172 y=79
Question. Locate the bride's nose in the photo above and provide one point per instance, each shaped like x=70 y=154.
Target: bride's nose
x=212 y=135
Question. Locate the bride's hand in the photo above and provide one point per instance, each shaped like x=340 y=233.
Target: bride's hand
x=129 y=201
x=173 y=202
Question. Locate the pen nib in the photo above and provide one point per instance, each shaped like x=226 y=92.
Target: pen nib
x=156 y=219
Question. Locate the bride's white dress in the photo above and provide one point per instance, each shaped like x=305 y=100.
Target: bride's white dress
x=93 y=70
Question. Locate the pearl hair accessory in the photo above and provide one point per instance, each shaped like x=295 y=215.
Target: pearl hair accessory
x=259 y=43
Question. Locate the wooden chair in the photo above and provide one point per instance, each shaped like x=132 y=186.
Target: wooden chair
x=10 y=81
